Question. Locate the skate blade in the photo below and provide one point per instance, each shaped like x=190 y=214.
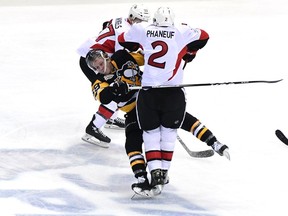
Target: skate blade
x=111 y=126
x=92 y=140
x=157 y=189
x=143 y=193
x=226 y=154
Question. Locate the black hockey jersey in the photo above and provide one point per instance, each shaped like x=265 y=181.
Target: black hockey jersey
x=127 y=69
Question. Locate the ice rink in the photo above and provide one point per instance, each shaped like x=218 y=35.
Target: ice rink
x=46 y=103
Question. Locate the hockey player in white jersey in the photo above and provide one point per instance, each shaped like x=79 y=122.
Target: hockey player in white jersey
x=160 y=112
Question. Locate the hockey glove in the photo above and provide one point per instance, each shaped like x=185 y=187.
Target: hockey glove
x=189 y=56
x=120 y=88
x=106 y=24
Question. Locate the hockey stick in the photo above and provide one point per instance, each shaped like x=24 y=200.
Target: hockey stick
x=204 y=84
x=196 y=154
x=281 y=136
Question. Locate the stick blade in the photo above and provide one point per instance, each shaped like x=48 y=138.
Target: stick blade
x=281 y=136
x=275 y=81
x=201 y=154
x=196 y=154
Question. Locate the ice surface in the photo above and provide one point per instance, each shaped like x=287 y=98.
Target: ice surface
x=46 y=103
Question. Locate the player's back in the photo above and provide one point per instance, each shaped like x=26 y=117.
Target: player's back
x=162 y=48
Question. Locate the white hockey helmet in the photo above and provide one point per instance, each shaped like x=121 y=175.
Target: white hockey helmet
x=164 y=16
x=139 y=11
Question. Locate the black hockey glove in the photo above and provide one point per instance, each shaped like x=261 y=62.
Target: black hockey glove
x=189 y=57
x=120 y=88
x=106 y=24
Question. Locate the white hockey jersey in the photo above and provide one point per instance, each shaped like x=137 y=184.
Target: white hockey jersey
x=163 y=48
x=107 y=40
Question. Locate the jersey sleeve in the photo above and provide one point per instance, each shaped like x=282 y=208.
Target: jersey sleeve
x=84 y=48
x=105 y=41
x=139 y=58
x=131 y=39
x=194 y=38
x=200 y=42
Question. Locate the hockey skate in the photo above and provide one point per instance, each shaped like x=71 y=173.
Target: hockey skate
x=142 y=187
x=95 y=136
x=165 y=177
x=221 y=149
x=116 y=123
x=157 y=181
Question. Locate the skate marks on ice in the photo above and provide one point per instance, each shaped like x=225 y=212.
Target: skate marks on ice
x=55 y=180
x=167 y=203
x=16 y=161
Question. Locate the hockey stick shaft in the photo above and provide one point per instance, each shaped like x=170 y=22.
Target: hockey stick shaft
x=204 y=84
x=196 y=154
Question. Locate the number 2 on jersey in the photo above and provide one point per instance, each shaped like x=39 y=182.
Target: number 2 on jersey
x=153 y=58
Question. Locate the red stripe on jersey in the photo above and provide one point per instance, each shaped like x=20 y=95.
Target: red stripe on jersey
x=204 y=35
x=105 y=112
x=108 y=46
x=167 y=155
x=110 y=33
x=153 y=155
x=121 y=38
x=178 y=62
